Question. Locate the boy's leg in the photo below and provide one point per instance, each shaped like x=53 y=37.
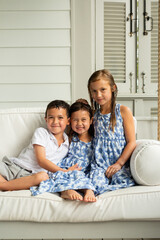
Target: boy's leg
x=23 y=182
x=2 y=179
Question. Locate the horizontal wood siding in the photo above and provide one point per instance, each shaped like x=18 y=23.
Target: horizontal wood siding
x=37 y=5
x=32 y=38
x=34 y=19
x=35 y=46
x=34 y=56
x=51 y=74
x=28 y=92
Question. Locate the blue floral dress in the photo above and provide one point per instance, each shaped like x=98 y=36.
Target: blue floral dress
x=79 y=152
x=108 y=147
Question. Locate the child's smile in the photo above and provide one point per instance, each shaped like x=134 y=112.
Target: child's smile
x=57 y=120
x=80 y=122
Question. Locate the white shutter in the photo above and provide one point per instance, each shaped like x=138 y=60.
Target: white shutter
x=154 y=43
x=115 y=39
x=148 y=49
x=114 y=46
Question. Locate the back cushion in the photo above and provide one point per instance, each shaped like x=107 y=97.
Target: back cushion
x=17 y=127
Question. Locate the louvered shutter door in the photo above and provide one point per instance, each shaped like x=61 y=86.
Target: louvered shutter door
x=117 y=45
x=115 y=40
x=148 y=49
x=154 y=43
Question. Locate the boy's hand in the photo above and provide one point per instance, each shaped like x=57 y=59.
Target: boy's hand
x=74 y=167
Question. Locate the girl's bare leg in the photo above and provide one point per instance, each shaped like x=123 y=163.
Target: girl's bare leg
x=89 y=196
x=71 y=195
x=23 y=182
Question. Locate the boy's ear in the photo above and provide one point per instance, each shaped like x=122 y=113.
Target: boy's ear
x=45 y=119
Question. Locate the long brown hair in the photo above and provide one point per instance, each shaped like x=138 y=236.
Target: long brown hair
x=105 y=74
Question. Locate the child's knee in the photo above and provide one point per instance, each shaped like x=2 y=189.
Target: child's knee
x=42 y=176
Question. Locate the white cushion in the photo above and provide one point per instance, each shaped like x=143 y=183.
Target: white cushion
x=129 y=204
x=145 y=162
x=17 y=127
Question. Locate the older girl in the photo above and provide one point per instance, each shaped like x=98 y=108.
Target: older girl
x=114 y=139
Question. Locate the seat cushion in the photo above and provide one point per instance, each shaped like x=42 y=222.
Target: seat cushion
x=145 y=163
x=130 y=204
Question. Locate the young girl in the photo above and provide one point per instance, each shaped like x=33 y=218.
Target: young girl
x=80 y=152
x=114 y=139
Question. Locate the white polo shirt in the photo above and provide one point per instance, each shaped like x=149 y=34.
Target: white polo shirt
x=45 y=138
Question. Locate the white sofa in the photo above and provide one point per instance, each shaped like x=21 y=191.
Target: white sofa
x=127 y=213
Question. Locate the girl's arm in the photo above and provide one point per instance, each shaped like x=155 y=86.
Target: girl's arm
x=129 y=130
x=47 y=164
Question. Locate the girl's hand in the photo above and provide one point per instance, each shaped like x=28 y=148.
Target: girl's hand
x=74 y=167
x=111 y=170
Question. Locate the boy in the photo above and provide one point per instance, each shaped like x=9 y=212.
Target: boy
x=47 y=147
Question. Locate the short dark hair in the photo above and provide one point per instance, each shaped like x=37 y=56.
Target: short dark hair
x=58 y=104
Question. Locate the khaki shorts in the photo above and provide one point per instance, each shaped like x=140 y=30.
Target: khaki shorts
x=10 y=170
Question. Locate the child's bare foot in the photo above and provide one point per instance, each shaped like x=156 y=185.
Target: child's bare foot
x=72 y=195
x=89 y=196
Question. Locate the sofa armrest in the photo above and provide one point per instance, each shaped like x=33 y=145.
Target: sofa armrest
x=145 y=162
x=147 y=141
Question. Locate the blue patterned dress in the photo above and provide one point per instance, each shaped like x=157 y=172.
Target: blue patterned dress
x=108 y=147
x=79 y=152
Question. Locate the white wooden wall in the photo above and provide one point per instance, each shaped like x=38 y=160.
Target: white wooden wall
x=35 y=47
